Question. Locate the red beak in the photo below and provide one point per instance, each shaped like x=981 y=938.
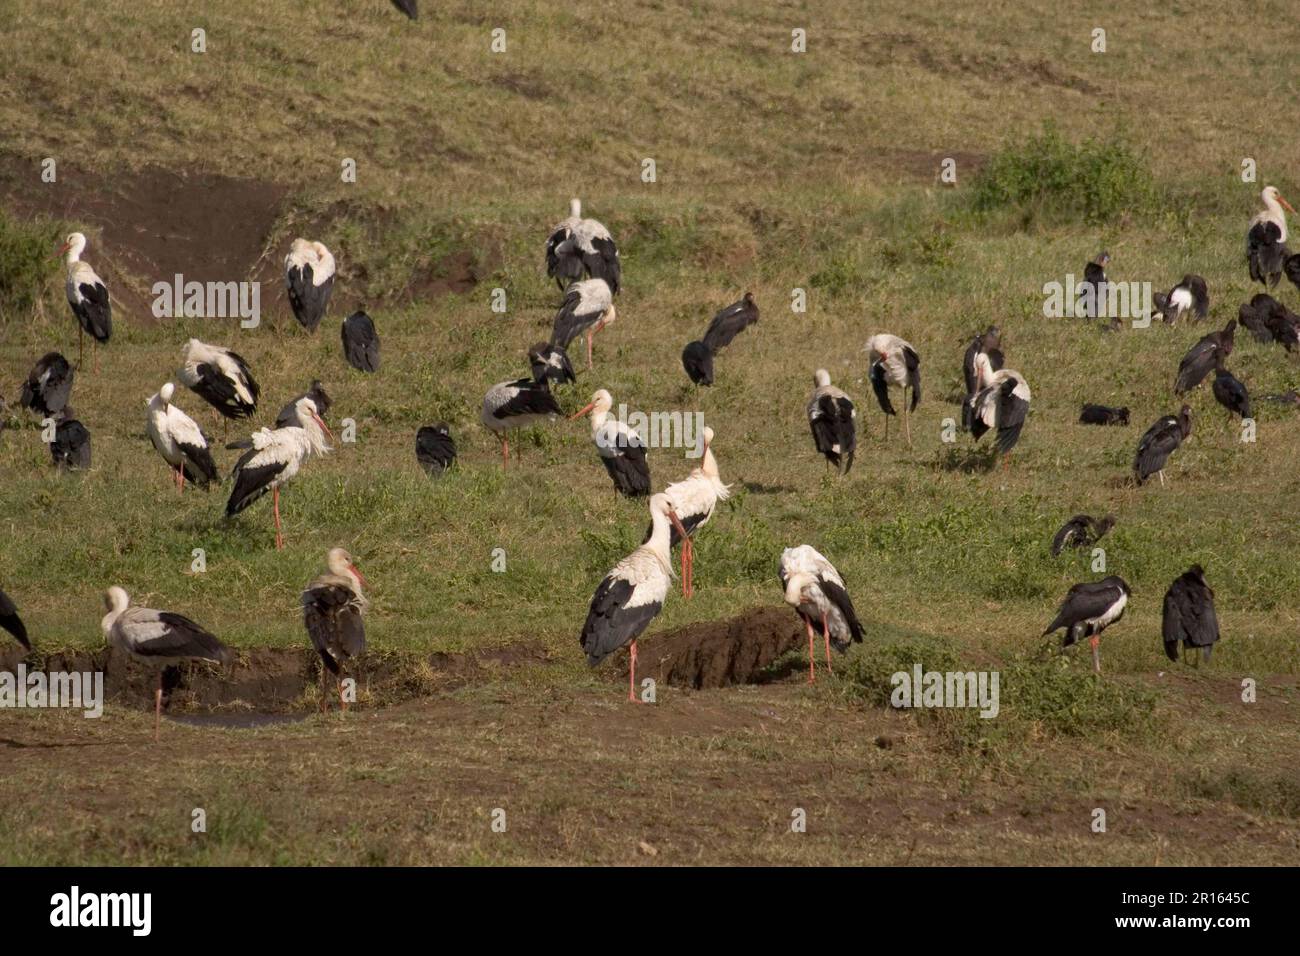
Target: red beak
x=359 y=576
x=325 y=428
x=589 y=406
x=67 y=245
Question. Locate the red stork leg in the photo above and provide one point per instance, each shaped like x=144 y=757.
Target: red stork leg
x=1096 y=653
x=505 y=452
x=826 y=634
x=275 y=499
x=591 y=334
x=157 y=707
x=812 y=654
x=631 y=675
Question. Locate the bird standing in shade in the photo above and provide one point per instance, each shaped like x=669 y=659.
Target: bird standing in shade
x=157 y=638
x=332 y=611
x=88 y=297
x=1088 y=609
x=1189 y=616
x=632 y=594
x=894 y=362
x=1159 y=442
x=814 y=588
x=309 y=277
x=832 y=418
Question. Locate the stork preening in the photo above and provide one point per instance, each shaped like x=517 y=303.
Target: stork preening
x=220 y=377
x=989 y=343
x=1092 y=290
x=434 y=449
x=88 y=297
x=588 y=307
x=1103 y=415
x=332 y=611
x=1266 y=250
x=622 y=451
x=815 y=590
x=1231 y=393
x=275 y=457
x=1088 y=609
x=833 y=421
x=632 y=594
x=511 y=405
x=70 y=448
x=698 y=356
x=1081 y=531
x=550 y=363
x=1189 y=617
x=693 y=500
x=1160 y=441
x=1202 y=358
x=309 y=277
x=179 y=440
x=360 y=342
x=1002 y=402
x=578 y=246
x=894 y=362
x=1268 y=320
x=11 y=622
x=1191 y=295
x=48 y=385
x=157 y=638
x=290 y=414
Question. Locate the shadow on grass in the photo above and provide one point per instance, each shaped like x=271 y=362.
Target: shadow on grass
x=968 y=460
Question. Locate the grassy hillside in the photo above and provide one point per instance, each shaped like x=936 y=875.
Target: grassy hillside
x=776 y=171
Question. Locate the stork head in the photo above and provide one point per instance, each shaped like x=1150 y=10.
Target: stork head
x=1272 y=197
x=340 y=562
x=309 y=420
x=166 y=392
x=608 y=318
x=116 y=600
x=74 y=244
x=575 y=207
x=821 y=378
x=322 y=253
x=601 y=402
x=796 y=585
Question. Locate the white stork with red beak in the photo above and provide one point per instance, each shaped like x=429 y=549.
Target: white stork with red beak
x=693 y=500
x=1266 y=251
x=179 y=440
x=87 y=295
x=621 y=449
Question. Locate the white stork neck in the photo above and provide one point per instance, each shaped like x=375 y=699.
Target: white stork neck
x=659 y=536
x=575 y=208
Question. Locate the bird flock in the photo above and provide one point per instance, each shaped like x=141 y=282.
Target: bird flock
x=581 y=256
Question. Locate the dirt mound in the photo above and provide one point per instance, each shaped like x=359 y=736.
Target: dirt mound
x=741 y=650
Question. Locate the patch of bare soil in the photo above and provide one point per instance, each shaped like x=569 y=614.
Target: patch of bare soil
x=742 y=650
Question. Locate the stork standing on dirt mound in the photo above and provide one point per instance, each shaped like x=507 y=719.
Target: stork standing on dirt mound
x=632 y=594
x=1088 y=609
x=511 y=405
x=309 y=276
x=622 y=451
x=158 y=638
x=332 y=608
x=816 y=591
x=275 y=457
x=832 y=418
x=579 y=245
x=693 y=501
x=179 y=440
x=588 y=307
x=220 y=377
x=87 y=295
x=894 y=362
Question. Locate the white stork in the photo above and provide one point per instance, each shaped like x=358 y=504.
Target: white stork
x=220 y=377
x=158 y=638
x=1266 y=238
x=632 y=594
x=622 y=451
x=816 y=591
x=332 y=608
x=579 y=245
x=309 y=276
x=1088 y=609
x=518 y=404
x=360 y=342
x=1001 y=401
x=832 y=417
x=894 y=362
x=87 y=295
x=693 y=501
x=275 y=457
x=179 y=440
x=48 y=386
x=588 y=307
